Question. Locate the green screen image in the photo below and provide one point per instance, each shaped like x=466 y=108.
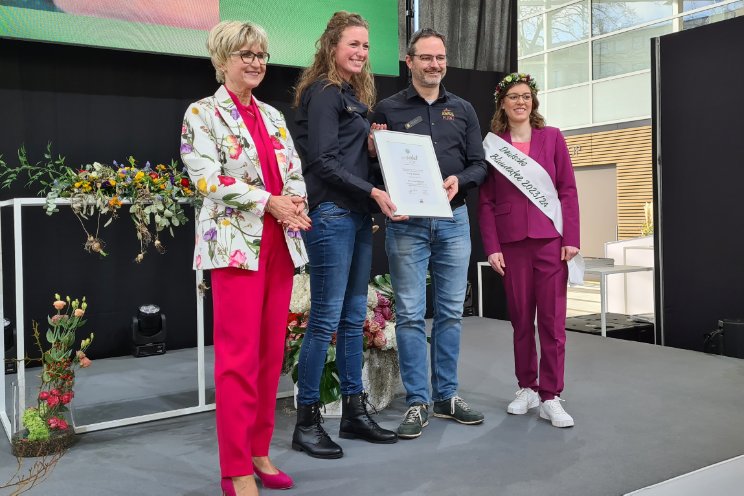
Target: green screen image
x=180 y=27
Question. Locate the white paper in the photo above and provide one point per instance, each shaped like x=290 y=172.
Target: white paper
x=576 y=267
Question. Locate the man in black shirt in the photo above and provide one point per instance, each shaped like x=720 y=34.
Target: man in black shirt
x=443 y=245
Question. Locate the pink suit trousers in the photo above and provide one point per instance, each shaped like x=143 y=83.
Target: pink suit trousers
x=250 y=321
x=535 y=278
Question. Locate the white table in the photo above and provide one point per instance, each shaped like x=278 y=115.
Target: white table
x=17 y=205
x=603 y=272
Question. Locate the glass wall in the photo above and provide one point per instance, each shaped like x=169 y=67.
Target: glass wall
x=592 y=58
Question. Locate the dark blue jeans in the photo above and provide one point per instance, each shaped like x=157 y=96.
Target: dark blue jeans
x=340 y=250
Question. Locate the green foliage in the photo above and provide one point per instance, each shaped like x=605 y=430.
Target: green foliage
x=37 y=428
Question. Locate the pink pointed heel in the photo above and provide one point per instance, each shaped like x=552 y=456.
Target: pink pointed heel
x=227 y=486
x=273 y=481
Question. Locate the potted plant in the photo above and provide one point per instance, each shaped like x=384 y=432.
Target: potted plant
x=47 y=428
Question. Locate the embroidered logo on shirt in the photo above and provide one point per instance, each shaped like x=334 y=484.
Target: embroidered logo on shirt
x=413 y=122
x=448 y=115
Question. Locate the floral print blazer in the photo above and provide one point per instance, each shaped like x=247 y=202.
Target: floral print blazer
x=222 y=161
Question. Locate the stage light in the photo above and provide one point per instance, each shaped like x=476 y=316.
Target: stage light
x=11 y=366
x=148 y=331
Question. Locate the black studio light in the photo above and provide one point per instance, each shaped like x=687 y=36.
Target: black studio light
x=11 y=367
x=148 y=331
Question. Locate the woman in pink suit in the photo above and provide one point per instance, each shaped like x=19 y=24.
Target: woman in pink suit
x=244 y=164
x=525 y=247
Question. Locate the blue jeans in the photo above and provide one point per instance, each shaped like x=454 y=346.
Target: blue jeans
x=443 y=246
x=340 y=250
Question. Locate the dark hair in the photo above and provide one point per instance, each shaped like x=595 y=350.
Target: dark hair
x=423 y=33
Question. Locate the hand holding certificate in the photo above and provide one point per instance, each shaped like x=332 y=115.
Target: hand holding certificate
x=411 y=173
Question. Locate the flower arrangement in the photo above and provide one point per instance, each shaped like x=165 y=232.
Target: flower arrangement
x=511 y=80
x=101 y=190
x=647 y=228
x=47 y=429
x=379 y=330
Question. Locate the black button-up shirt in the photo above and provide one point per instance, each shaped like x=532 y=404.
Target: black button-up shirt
x=332 y=143
x=453 y=126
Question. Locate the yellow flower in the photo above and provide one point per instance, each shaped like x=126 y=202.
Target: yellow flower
x=112 y=182
x=115 y=202
x=78 y=184
x=283 y=133
x=162 y=186
x=139 y=176
x=194 y=110
x=201 y=184
x=225 y=222
x=213 y=188
x=160 y=167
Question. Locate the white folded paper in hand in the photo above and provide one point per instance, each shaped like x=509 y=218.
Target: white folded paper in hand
x=576 y=268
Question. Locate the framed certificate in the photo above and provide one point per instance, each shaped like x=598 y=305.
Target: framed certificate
x=411 y=173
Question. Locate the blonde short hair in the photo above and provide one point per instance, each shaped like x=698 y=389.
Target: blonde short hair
x=230 y=36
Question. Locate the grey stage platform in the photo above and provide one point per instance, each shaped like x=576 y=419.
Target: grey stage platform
x=644 y=414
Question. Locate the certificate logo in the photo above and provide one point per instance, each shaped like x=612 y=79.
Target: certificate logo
x=448 y=115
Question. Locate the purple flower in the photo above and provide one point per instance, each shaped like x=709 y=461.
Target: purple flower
x=210 y=235
x=229 y=211
x=186 y=148
x=294 y=234
x=235 y=114
x=382 y=301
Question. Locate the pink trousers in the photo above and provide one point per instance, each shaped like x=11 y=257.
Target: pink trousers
x=535 y=280
x=250 y=321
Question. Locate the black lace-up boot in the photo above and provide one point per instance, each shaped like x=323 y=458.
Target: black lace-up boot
x=356 y=423
x=310 y=437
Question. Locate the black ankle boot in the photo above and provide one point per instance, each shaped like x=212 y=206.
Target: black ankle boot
x=310 y=437
x=356 y=422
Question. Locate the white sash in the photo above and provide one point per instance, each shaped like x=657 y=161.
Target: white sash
x=535 y=183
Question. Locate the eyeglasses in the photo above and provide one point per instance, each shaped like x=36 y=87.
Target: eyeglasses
x=513 y=97
x=427 y=59
x=248 y=57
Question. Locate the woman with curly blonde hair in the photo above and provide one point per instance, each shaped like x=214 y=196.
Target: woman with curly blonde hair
x=332 y=97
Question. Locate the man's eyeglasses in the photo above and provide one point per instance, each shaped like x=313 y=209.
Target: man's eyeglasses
x=513 y=97
x=427 y=59
x=248 y=57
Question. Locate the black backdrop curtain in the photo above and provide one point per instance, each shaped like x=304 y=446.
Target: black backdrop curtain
x=104 y=105
x=698 y=145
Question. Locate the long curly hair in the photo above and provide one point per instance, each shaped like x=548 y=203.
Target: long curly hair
x=324 y=64
x=500 y=122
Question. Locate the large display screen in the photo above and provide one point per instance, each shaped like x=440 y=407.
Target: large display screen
x=180 y=26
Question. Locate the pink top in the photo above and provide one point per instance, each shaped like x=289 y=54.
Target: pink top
x=264 y=145
x=522 y=146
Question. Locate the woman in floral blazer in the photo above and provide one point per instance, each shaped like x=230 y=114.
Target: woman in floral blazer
x=243 y=163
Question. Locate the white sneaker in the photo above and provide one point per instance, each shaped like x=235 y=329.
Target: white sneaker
x=553 y=410
x=526 y=399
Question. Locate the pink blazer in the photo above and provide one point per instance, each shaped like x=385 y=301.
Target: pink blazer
x=506 y=215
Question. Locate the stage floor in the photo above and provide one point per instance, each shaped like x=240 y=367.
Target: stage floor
x=644 y=414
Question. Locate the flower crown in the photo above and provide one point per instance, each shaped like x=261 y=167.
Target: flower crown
x=512 y=79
